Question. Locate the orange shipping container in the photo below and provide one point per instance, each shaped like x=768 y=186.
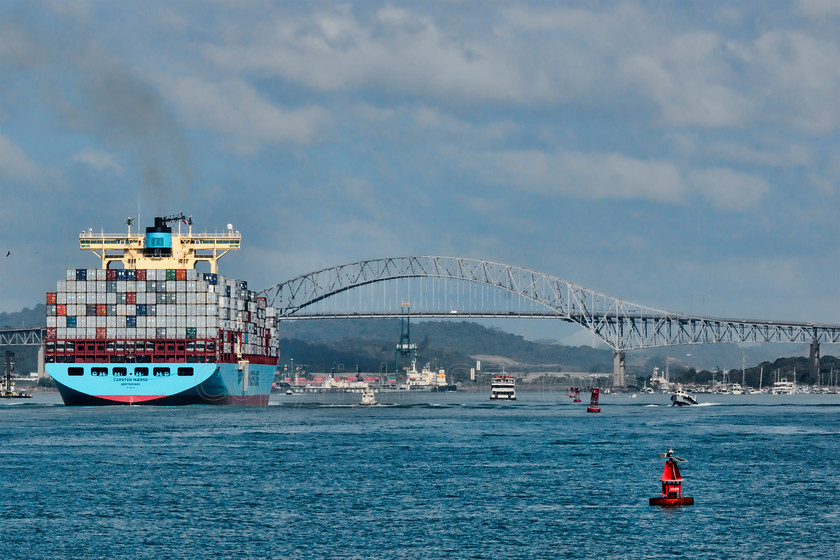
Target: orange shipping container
x=101 y=333
x=101 y=309
x=50 y=297
x=181 y=274
x=61 y=309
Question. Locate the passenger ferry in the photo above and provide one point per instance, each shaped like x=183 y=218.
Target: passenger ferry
x=149 y=328
x=503 y=386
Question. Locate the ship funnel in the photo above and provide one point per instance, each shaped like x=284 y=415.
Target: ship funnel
x=158 y=239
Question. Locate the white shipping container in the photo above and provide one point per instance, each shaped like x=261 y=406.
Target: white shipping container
x=181 y=297
x=71 y=274
x=141 y=322
x=100 y=322
x=212 y=322
x=111 y=298
x=200 y=333
x=130 y=286
x=141 y=298
x=130 y=309
x=171 y=286
x=140 y=286
x=61 y=332
x=81 y=321
x=100 y=274
x=192 y=274
x=61 y=297
x=81 y=298
x=190 y=322
x=100 y=298
x=200 y=321
x=122 y=332
x=70 y=286
x=180 y=333
x=111 y=332
x=61 y=286
x=52 y=321
x=121 y=286
x=150 y=332
x=111 y=322
x=170 y=322
x=190 y=298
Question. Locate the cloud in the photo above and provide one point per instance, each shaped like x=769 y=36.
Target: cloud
x=585 y=176
x=90 y=91
x=15 y=165
x=236 y=109
x=728 y=189
x=100 y=161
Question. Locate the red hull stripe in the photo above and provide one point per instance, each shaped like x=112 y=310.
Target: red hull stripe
x=130 y=399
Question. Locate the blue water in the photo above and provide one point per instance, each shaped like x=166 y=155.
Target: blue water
x=447 y=476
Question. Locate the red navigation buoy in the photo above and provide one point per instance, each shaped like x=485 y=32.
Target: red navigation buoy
x=577 y=395
x=593 y=401
x=671 y=483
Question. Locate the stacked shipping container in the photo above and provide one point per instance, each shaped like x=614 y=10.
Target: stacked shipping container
x=211 y=317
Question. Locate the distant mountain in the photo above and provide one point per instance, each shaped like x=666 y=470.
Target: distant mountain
x=36 y=317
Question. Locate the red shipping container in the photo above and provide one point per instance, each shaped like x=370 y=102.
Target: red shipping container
x=50 y=297
x=181 y=274
x=131 y=298
x=101 y=333
x=101 y=309
x=141 y=274
x=50 y=334
x=61 y=309
x=111 y=274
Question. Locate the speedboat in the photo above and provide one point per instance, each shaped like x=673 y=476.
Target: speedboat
x=681 y=398
x=368 y=397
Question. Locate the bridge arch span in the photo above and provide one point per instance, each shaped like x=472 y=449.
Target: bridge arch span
x=620 y=324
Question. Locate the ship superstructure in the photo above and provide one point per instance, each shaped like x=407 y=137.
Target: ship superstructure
x=158 y=330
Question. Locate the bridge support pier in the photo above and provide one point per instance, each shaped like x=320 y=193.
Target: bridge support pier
x=619 y=366
x=814 y=362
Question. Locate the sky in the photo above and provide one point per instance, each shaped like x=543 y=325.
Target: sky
x=678 y=155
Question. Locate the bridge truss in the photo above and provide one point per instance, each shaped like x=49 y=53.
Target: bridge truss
x=510 y=291
x=458 y=287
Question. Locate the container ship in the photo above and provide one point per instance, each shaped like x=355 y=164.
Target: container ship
x=149 y=328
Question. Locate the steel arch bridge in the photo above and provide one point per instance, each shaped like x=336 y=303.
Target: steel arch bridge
x=434 y=286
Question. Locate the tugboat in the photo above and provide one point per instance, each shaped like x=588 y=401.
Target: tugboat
x=671 y=483
x=593 y=401
x=503 y=386
x=368 y=397
x=8 y=389
x=681 y=398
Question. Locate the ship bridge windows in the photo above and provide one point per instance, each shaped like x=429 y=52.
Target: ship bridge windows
x=185 y=371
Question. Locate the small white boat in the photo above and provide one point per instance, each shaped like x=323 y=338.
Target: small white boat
x=503 y=386
x=368 y=397
x=681 y=398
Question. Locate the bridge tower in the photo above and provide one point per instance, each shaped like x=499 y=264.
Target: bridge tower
x=405 y=347
x=814 y=362
x=619 y=367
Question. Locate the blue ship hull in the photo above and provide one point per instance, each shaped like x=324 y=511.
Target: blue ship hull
x=167 y=384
